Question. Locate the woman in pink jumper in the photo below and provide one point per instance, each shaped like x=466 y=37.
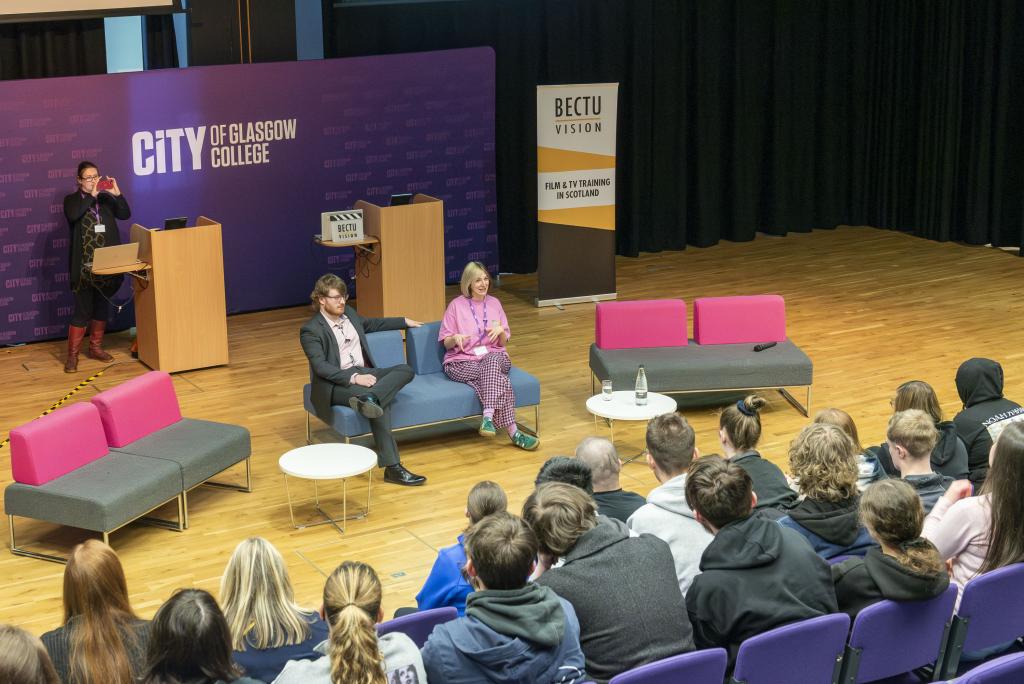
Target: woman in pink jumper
x=976 y=534
x=474 y=331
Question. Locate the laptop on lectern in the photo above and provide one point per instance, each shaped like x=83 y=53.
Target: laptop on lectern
x=118 y=256
x=172 y=223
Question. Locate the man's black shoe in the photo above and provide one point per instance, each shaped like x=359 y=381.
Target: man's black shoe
x=367 y=405
x=397 y=474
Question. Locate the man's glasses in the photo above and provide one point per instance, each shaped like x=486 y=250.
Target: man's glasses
x=335 y=298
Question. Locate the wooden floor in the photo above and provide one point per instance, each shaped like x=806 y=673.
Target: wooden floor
x=872 y=308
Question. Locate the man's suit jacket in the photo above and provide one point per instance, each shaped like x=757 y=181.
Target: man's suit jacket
x=321 y=348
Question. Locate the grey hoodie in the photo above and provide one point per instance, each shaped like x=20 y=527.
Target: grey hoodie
x=667 y=516
x=401 y=657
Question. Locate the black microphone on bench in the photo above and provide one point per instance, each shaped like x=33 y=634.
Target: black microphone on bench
x=764 y=345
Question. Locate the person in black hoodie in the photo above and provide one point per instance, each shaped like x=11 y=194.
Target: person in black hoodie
x=739 y=429
x=823 y=460
x=949 y=454
x=755 y=574
x=979 y=382
x=907 y=567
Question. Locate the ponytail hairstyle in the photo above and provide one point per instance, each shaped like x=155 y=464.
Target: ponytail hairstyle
x=1005 y=483
x=352 y=598
x=742 y=422
x=891 y=511
x=484 y=499
x=23 y=660
x=97 y=615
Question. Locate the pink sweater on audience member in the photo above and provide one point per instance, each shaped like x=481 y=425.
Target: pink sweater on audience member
x=960 y=531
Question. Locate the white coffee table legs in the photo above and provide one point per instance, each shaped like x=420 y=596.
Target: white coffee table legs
x=328 y=519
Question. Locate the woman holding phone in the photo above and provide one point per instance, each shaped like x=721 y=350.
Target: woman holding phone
x=92 y=212
x=474 y=331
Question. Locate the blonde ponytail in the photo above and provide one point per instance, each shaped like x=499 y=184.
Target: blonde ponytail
x=352 y=597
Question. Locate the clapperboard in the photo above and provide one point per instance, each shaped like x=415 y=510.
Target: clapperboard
x=341 y=226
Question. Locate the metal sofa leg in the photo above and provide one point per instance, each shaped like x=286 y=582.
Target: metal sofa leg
x=247 y=487
x=794 y=403
x=19 y=551
x=309 y=436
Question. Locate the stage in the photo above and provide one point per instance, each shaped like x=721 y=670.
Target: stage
x=872 y=308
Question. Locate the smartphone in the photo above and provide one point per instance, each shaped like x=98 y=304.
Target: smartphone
x=104 y=185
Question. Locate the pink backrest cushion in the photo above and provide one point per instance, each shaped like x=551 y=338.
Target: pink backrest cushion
x=644 y=323
x=739 y=320
x=138 y=407
x=56 y=444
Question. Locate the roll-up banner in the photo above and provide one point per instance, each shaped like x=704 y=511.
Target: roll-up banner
x=576 y=193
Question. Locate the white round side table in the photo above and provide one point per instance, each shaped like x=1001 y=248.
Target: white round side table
x=622 y=406
x=329 y=462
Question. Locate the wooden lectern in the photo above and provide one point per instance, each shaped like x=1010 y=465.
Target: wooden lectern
x=404 y=275
x=180 y=312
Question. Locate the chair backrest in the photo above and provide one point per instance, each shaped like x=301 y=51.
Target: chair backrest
x=424 y=353
x=699 y=667
x=739 y=320
x=1008 y=669
x=386 y=347
x=56 y=444
x=418 y=626
x=893 y=637
x=805 y=651
x=640 y=324
x=138 y=407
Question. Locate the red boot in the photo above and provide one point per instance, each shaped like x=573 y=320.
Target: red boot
x=75 y=336
x=95 y=350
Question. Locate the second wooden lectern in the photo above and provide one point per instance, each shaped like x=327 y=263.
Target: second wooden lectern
x=180 y=312
x=405 y=275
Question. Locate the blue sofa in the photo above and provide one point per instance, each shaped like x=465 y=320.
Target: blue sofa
x=431 y=398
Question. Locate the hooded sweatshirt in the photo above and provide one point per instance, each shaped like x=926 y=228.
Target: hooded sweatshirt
x=980 y=385
x=833 y=529
x=515 y=636
x=862 y=581
x=667 y=516
x=626 y=596
x=770 y=484
x=929 y=487
x=949 y=457
x=756 y=576
x=401 y=659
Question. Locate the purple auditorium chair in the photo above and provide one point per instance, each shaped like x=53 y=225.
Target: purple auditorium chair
x=418 y=626
x=699 y=667
x=809 y=651
x=991 y=613
x=1008 y=669
x=891 y=638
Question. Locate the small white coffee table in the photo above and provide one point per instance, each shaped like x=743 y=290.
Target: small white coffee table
x=329 y=462
x=622 y=406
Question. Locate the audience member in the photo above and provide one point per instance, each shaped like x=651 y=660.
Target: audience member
x=354 y=652
x=868 y=468
x=949 y=455
x=605 y=465
x=622 y=587
x=101 y=640
x=981 y=533
x=822 y=459
x=190 y=643
x=568 y=471
x=445 y=586
x=514 y=632
x=267 y=627
x=666 y=515
x=755 y=574
x=910 y=440
x=23 y=660
x=739 y=429
x=907 y=567
x=986 y=412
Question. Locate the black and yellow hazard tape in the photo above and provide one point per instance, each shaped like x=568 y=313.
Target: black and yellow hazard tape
x=60 y=402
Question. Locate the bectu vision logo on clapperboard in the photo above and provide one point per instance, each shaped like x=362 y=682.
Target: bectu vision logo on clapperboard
x=341 y=226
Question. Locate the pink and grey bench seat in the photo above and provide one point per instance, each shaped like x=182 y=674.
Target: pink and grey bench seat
x=430 y=398
x=100 y=465
x=720 y=356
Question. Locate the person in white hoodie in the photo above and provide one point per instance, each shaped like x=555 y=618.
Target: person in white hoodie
x=670 y=450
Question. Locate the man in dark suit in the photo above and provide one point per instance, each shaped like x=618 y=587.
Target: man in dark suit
x=343 y=372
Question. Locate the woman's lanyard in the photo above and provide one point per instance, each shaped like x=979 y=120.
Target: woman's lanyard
x=479 y=328
x=95 y=208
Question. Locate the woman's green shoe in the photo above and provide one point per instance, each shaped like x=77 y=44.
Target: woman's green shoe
x=525 y=441
x=487 y=428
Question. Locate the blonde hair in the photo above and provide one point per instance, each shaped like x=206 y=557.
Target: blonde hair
x=842 y=420
x=917 y=394
x=559 y=514
x=743 y=425
x=823 y=460
x=913 y=430
x=472 y=271
x=352 y=598
x=891 y=510
x=258 y=600
x=323 y=287
x=23 y=660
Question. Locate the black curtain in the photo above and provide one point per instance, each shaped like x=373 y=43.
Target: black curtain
x=161 y=46
x=739 y=116
x=52 y=48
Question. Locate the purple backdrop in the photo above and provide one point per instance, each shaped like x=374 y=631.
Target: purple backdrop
x=193 y=142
